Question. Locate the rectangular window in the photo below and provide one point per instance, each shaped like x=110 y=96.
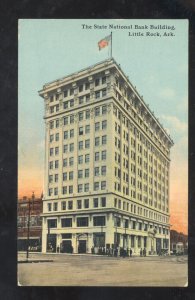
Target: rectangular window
x=80 y=145
x=65 y=162
x=70 y=204
x=56 y=164
x=97 y=156
x=71 y=133
x=80 y=188
x=97 y=141
x=65 y=105
x=97 y=111
x=97 y=82
x=104 y=140
x=57 y=137
x=104 y=80
x=71 y=147
x=70 y=189
x=49 y=206
x=95 y=202
x=87 y=85
x=87 y=129
x=79 y=204
x=97 y=94
x=50 y=178
x=99 y=221
x=71 y=175
x=80 y=130
x=50 y=192
x=57 y=123
x=71 y=119
x=86 y=187
x=71 y=102
x=87 y=98
x=96 y=186
x=64 y=190
x=65 y=94
x=56 y=150
x=71 y=161
x=103 y=169
x=63 y=205
x=104 y=124
x=87 y=144
x=104 y=155
x=80 y=88
x=65 y=148
x=103 y=200
x=81 y=100
x=64 y=176
x=87 y=114
x=55 y=206
x=103 y=185
x=86 y=158
x=86 y=203
x=82 y=222
x=97 y=126
x=80 y=116
x=96 y=171
x=86 y=173
x=52 y=223
x=80 y=173
x=80 y=159
x=66 y=222
x=71 y=92
x=51 y=151
x=66 y=121
x=104 y=109
x=56 y=177
x=51 y=125
x=104 y=92
x=51 y=138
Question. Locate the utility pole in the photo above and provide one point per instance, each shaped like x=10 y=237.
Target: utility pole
x=28 y=232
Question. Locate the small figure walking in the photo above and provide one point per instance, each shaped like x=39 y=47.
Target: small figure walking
x=141 y=252
x=144 y=252
x=130 y=252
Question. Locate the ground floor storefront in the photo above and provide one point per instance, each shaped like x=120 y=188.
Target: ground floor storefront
x=102 y=243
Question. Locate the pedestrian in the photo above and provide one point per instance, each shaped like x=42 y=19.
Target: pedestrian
x=130 y=251
x=141 y=252
x=144 y=252
x=92 y=249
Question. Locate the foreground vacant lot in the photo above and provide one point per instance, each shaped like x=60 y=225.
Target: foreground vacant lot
x=88 y=270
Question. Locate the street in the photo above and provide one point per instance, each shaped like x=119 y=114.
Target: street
x=92 y=270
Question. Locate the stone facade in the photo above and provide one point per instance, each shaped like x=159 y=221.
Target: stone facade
x=107 y=162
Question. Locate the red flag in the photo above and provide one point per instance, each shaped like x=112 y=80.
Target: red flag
x=104 y=42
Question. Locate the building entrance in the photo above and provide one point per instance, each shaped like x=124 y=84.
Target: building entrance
x=82 y=247
x=51 y=242
x=66 y=246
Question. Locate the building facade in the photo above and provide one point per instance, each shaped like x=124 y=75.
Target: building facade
x=29 y=223
x=107 y=162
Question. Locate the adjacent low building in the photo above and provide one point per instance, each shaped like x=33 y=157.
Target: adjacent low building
x=29 y=223
x=107 y=163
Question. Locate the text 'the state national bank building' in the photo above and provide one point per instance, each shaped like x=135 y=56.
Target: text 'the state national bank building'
x=107 y=161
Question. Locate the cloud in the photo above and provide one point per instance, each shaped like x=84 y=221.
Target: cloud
x=175 y=124
x=167 y=93
x=183 y=104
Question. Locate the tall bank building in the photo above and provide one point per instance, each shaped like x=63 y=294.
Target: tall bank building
x=107 y=162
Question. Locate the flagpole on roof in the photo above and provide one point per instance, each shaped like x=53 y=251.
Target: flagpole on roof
x=111 y=46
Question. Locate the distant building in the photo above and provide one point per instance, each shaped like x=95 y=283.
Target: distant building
x=107 y=163
x=32 y=206
x=179 y=242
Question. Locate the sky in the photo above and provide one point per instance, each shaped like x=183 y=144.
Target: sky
x=156 y=65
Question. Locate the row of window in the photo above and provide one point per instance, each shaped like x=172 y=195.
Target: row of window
x=81 y=159
x=80 y=222
x=80 y=204
x=80 y=188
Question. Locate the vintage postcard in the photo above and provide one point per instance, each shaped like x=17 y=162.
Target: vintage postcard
x=103 y=152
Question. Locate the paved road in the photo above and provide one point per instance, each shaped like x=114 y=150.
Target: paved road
x=87 y=270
